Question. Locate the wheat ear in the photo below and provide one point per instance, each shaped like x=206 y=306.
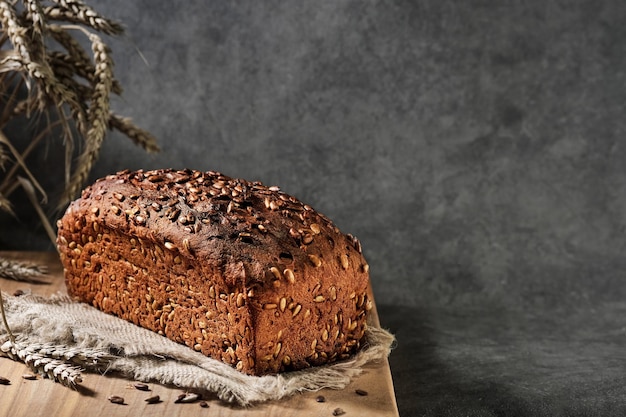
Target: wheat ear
x=139 y=136
x=35 y=14
x=20 y=271
x=55 y=369
x=78 y=12
x=18 y=35
x=40 y=71
x=81 y=68
x=58 y=362
x=83 y=357
x=98 y=115
x=67 y=41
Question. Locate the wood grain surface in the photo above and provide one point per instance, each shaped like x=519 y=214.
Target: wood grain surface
x=43 y=397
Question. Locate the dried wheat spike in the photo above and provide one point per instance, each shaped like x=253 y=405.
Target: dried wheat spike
x=18 y=35
x=65 y=74
x=61 y=363
x=98 y=114
x=7 y=350
x=78 y=12
x=84 y=357
x=63 y=373
x=20 y=271
x=83 y=69
x=34 y=13
x=23 y=107
x=138 y=136
x=71 y=45
x=55 y=369
x=14 y=31
x=55 y=79
x=38 y=70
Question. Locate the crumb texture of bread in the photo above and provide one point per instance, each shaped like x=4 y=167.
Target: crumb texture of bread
x=239 y=271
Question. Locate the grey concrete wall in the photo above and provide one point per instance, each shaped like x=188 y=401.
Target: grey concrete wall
x=475 y=147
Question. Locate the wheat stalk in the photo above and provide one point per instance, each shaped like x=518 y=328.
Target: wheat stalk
x=28 y=187
x=12 y=108
x=84 y=357
x=78 y=12
x=55 y=369
x=5 y=205
x=19 y=160
x=11 y=173
x=35 y=15
x=69 y=65
x=58 y=362
x=3 y=158
x=13 y=29
x=140 y=137
x=98 y=113
x=69 y=87
x=20 y=271
x=38 y=70
x=71 y=45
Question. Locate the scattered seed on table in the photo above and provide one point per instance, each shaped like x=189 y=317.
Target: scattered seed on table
x=338 y=412
x=116 y=399
x=29 y=377
x=187 y=398
x=4 y=381
x=142 y=387
x=153 y=400
x=18 y=292
x=320 y=399
x=204 y=404
x=361 y=392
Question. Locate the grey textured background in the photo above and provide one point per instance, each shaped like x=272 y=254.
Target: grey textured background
x=475 y=147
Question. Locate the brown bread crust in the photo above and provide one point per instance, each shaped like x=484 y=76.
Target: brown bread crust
x=241 y=272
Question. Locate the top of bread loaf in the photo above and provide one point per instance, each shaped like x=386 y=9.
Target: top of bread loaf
x=212 y=216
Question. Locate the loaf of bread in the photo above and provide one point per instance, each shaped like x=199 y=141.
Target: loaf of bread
x=241 y=272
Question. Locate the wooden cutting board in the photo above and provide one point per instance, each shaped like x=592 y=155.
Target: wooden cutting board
x=42 y=397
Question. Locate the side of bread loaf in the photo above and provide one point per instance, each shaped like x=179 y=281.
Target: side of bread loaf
x=241 y=272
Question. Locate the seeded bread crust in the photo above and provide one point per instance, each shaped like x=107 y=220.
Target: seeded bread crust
x=241 y=272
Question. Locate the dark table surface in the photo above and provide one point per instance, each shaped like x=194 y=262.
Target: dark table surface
x=483 y=361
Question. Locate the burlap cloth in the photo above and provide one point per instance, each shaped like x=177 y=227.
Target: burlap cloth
x=145 y=356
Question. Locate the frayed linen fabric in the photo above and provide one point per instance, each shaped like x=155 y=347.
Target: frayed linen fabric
x=140 y=354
